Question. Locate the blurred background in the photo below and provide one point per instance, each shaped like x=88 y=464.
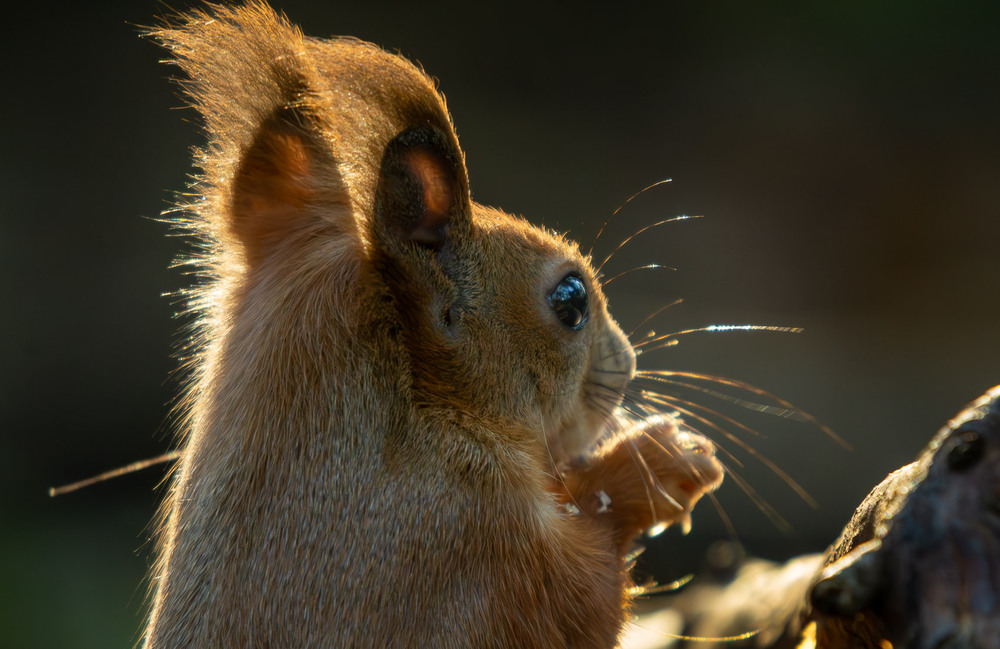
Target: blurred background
x=845 y=156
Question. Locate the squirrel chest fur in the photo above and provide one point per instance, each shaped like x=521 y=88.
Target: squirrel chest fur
x=402 y=426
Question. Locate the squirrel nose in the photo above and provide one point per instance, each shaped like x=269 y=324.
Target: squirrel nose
x=616 y=358
x=629 y=355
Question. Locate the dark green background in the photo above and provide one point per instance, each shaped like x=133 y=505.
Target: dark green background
x=846 y=156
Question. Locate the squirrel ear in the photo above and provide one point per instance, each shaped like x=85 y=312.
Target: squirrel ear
x=274 y=184
x=422 y=187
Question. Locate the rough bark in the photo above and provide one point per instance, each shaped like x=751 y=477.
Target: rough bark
x=917 y=566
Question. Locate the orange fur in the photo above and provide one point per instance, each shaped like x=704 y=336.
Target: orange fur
x=383 y=397
x=676 y=468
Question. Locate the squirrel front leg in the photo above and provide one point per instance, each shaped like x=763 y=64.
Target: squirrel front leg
x=649 y=473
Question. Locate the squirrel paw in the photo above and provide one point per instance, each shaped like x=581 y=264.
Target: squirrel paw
x=648 y=476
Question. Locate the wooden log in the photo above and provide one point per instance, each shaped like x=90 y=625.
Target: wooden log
x=917 y=566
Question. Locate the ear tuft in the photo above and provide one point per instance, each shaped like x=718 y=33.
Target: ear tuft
x=420 y=187
x=274 y=184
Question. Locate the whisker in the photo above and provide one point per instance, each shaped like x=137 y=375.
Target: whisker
x=626 y=272
x=776 y=411
x=600 y=370
x=633 y=406
x=699 y=638
x=665 y=400
x=721 y=511
x=653 y=315
x=753 y=390
x=682 y=217
x=612 y=353
x=638 y=347
x=708 y=410
x=651 y=479
x=667 y=588
x=726 y=329
x=619 y=209
x=114 y=473
x=691 y=471
x=590 y=253
x=656 y=480
x=772 y=514
x=647 y=478
x=556 y=473
x=641 y=191
x=763 y=459
x=667 y=341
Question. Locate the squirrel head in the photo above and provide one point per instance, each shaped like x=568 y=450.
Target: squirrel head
x=333 y=159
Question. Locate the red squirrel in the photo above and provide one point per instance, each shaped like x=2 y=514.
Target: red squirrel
x=404 y=422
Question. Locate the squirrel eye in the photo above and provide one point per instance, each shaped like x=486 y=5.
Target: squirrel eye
x=569 y=301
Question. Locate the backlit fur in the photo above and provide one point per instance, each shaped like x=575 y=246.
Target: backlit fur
x=384 y=437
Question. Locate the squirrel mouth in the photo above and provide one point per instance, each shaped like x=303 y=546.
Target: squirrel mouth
x=611 y=369
x=580 y=434
x=596 y=417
